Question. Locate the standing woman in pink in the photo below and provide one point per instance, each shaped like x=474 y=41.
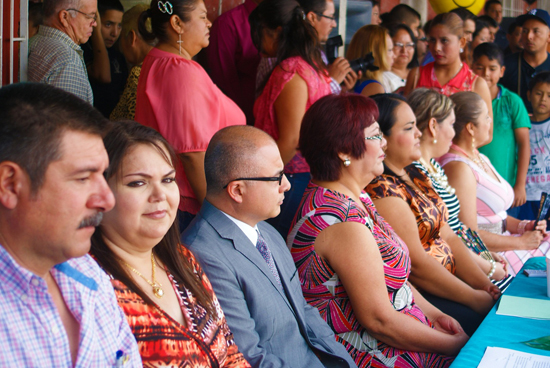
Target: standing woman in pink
x=280 y=29
x=447 y=74
x=176 y=96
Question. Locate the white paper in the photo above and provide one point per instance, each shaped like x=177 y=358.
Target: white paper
x=507 y=358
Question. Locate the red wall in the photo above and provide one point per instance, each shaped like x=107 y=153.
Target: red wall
x=6 y=44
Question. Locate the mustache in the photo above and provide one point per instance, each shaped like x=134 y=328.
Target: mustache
x=94 y=220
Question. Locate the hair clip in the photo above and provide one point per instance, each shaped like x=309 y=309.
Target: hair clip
x=166 y=7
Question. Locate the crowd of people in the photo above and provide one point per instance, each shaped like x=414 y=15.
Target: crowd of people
x=264 y=205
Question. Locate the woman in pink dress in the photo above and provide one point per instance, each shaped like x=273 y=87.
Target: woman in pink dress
x=484 y=195
x=280 y=29
x=176 y=97
x=447 y=74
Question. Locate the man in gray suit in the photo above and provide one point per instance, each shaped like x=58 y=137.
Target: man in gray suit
x=247 y=261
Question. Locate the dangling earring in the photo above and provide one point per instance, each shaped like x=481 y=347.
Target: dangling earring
x=461 y=50
x=435 y=141
x=474 y=147
x=347 y=162
x=179 y=41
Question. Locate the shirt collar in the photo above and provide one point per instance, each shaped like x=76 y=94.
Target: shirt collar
x=14 y=277
x=250 y=232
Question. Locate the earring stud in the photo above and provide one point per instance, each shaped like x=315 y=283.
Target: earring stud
x=347 y=162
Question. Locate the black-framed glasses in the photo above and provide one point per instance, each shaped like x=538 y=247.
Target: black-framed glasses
x=264 y=178
x=332 y=19
x=377 y=137
x=92 y=18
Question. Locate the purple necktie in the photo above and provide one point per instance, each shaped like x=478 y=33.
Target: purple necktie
x=262 y=247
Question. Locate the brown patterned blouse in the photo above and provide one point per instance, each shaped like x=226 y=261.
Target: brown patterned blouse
x=428 y=208
x=163 y=342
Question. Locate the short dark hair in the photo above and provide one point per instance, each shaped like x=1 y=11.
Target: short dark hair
x=332 y=125
x=119 y=142
x=387 y=104
x=491 y=50
x=160 y=21
x=316 y=6
x=402 y=13
x=228 y=155
x=488 y=4
x=542 y=77
x=487 y=19
x=33 y=119
x=464 y=14
x=104 y=5
x=480 y=26
x=512 y=28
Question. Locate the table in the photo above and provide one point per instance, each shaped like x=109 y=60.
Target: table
x=507 y=331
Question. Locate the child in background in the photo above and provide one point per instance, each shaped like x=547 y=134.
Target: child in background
x=509 y=150
x=538 y=176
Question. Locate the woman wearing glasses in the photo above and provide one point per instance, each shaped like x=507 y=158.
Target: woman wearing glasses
x=351 y=264
x=404 y=44
x=442 y=267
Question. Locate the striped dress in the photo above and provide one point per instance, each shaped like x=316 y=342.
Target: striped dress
x=321 y=208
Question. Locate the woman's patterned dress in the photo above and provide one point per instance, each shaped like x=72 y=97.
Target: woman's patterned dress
x=321 y=208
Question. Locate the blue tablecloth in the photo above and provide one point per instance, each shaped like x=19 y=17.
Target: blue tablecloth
x=506 y=331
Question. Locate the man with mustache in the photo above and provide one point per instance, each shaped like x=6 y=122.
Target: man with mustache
x=57 y=307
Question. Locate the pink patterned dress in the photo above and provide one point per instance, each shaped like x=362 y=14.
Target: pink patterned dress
x=322 y=288
x=264 y=111
x=462 y=81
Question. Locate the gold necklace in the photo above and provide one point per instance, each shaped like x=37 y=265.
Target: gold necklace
x=157 y=286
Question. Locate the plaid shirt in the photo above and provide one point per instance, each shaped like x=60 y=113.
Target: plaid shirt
x=32 y=333
x=55 y=59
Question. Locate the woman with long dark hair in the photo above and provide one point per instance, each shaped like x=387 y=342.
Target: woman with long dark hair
x=280 y=29
x=168 y=300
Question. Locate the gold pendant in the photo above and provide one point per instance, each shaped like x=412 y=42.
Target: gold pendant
x=157 y=290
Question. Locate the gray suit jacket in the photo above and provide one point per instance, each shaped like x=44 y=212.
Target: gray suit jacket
x=273 y=326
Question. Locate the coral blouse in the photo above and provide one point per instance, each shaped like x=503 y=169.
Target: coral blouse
x=176 y=97
x=462 y=81
x=264 y=109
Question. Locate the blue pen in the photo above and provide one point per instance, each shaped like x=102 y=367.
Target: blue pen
x=121 y=358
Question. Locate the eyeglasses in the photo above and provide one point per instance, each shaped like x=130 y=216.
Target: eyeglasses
x=268 y=178
x=377 y=137
x=93 y=18
x=332 y=19
x=399 y=45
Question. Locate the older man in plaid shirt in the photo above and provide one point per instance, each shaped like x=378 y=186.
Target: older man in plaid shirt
x=57 y=307
x=55 y=56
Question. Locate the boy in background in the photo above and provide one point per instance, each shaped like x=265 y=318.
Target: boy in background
x=509 y=150
x=538 y=176
x=106 y=65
